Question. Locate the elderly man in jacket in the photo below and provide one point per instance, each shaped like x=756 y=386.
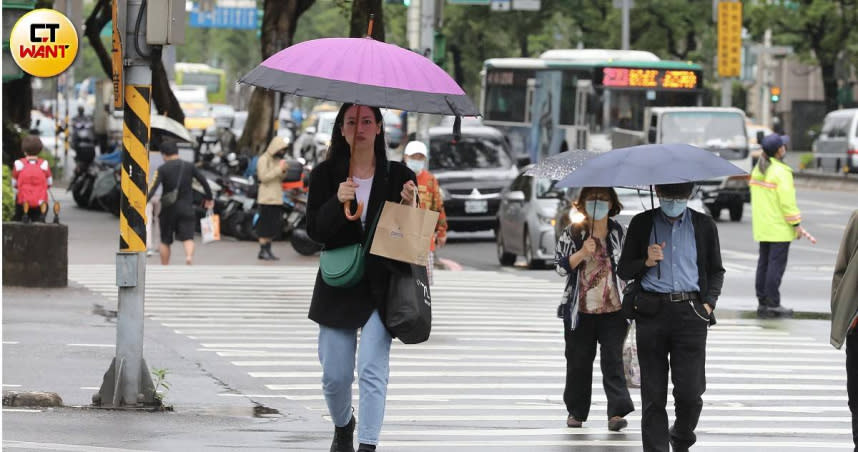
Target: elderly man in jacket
x=844 y=313
x=675 y=255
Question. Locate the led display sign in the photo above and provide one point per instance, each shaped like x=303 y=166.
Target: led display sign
x=619 y=77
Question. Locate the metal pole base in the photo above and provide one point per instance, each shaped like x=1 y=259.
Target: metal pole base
x=109 y=396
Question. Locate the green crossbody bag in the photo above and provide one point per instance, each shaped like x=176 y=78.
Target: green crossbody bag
x=344 y=266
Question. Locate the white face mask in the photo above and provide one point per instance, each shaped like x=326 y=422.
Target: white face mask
x=415 y=165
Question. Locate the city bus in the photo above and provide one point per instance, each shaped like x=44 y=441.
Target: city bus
x=571 y=99
x=213 y=79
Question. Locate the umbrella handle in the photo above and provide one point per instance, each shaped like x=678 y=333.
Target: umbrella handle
x=355 y=216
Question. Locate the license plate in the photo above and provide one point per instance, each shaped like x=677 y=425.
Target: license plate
x=476 y=206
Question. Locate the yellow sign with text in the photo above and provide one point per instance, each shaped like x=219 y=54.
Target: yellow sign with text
x=729 y=38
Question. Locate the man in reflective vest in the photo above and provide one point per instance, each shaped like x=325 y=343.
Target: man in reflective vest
x=775 y=217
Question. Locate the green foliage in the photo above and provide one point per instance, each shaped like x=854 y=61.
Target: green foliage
x=806 y=160
x=8 y=195
x=160 y=383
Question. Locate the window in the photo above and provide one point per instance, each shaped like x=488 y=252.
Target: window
x=836 y=126
x=470 y=152
x=506 y=94
x=210 y=81
x=720 y=132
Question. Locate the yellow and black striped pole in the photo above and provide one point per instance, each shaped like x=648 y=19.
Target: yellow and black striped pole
x=135 y=169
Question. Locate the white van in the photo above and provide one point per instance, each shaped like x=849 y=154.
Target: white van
x=837 y=144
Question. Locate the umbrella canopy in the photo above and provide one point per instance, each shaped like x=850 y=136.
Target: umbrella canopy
x=650 y=164
x=558 y=166
x=362 y=71
x=167 y=127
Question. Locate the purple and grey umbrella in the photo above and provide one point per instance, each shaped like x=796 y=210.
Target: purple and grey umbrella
x=362 y=71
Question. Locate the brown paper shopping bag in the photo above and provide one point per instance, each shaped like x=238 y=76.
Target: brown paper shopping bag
x=404 y=233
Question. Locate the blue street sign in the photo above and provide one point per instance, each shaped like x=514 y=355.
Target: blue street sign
x=238 y=18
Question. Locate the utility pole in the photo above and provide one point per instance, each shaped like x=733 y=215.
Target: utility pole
x=627 y=5
x=127 y=383
x=412 y=24
x=427 y=43
x=765 y=101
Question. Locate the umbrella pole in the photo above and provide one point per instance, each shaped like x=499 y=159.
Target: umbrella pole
x=654 y=231
x=346 y=205
x=369 y=26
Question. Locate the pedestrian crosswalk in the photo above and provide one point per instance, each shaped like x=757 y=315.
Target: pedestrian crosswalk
x=492 y=374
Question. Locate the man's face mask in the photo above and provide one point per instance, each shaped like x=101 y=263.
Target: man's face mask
x=672 y=207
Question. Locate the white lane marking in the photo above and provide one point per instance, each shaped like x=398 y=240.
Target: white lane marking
x=64 y=447
x=22 y=410
x=542 y=398
x=537 y=374
x=11 y=386
x=576 y=443
x=389 y=433
x=842 y=410
x=777 y=420
x=92 y=345
x=11 y=342
x=560 y=386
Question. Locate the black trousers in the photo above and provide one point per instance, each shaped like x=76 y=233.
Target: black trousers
x=673 y=339
x=852 y=381
x=609 y=330
x=770 y=270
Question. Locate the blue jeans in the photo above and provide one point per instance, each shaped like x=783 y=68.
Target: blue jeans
x=337 y=354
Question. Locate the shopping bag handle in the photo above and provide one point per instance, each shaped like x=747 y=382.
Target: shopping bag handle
x=413 y=199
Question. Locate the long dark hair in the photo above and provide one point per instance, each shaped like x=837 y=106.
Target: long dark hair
x=339 y=149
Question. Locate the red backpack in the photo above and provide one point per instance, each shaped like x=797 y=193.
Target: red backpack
x=32 y=182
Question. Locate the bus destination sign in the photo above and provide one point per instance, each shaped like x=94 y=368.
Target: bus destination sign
x=619 y=77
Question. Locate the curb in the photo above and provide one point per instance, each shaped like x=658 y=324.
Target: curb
x=811 y=179
x=31 y=399
x=752 y=314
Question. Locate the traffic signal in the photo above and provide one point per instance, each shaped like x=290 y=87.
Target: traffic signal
x=775 y=91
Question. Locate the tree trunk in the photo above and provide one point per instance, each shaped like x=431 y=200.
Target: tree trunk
x=16 y=114
x=96 y=21
x=361 y=9
x=458 y=71
x=522 y=45
x=279 y=20
x=829 y=85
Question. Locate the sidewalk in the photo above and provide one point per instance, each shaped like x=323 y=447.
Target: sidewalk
x=53 y=342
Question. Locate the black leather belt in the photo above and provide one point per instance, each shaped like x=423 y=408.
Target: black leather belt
x=675 y=297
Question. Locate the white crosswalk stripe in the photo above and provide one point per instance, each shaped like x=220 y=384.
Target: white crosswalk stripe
x=492 y=374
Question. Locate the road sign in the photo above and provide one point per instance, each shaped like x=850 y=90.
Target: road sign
x=501 y=5
x=236 y=18
x=526 y=5
x=729 y=38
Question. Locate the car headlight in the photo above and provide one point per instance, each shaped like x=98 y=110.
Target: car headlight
x=575 y=216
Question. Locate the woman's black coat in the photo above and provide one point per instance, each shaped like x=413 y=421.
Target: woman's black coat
x=327 y=224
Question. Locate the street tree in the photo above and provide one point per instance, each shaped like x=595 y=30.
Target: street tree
x=279 y=21
x=819 y=31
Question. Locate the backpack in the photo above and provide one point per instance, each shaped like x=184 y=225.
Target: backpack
x=32 y=182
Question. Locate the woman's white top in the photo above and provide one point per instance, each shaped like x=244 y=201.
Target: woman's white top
x=362 y=195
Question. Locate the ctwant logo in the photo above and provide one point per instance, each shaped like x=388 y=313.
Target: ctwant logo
x=43 y=43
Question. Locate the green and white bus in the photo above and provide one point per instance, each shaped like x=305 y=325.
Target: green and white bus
x=571 y=99
x=212 y=78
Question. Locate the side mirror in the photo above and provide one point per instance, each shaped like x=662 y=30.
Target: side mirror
x=515 y=196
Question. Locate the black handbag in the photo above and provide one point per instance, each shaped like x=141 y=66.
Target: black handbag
x=408 y=313
x=636 y=301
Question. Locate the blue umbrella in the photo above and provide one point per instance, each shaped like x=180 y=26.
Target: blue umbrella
x=650 y=164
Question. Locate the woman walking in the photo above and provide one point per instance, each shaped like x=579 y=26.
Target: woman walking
x=587 y=254
x=355 y=171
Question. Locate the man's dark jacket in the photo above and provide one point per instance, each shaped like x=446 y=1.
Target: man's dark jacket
x=327 y=224
x=709 y=268
x=175 y=172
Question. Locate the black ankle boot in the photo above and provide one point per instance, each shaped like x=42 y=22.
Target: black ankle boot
x=344 y=438
x=271 y=256
x=366 y=448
